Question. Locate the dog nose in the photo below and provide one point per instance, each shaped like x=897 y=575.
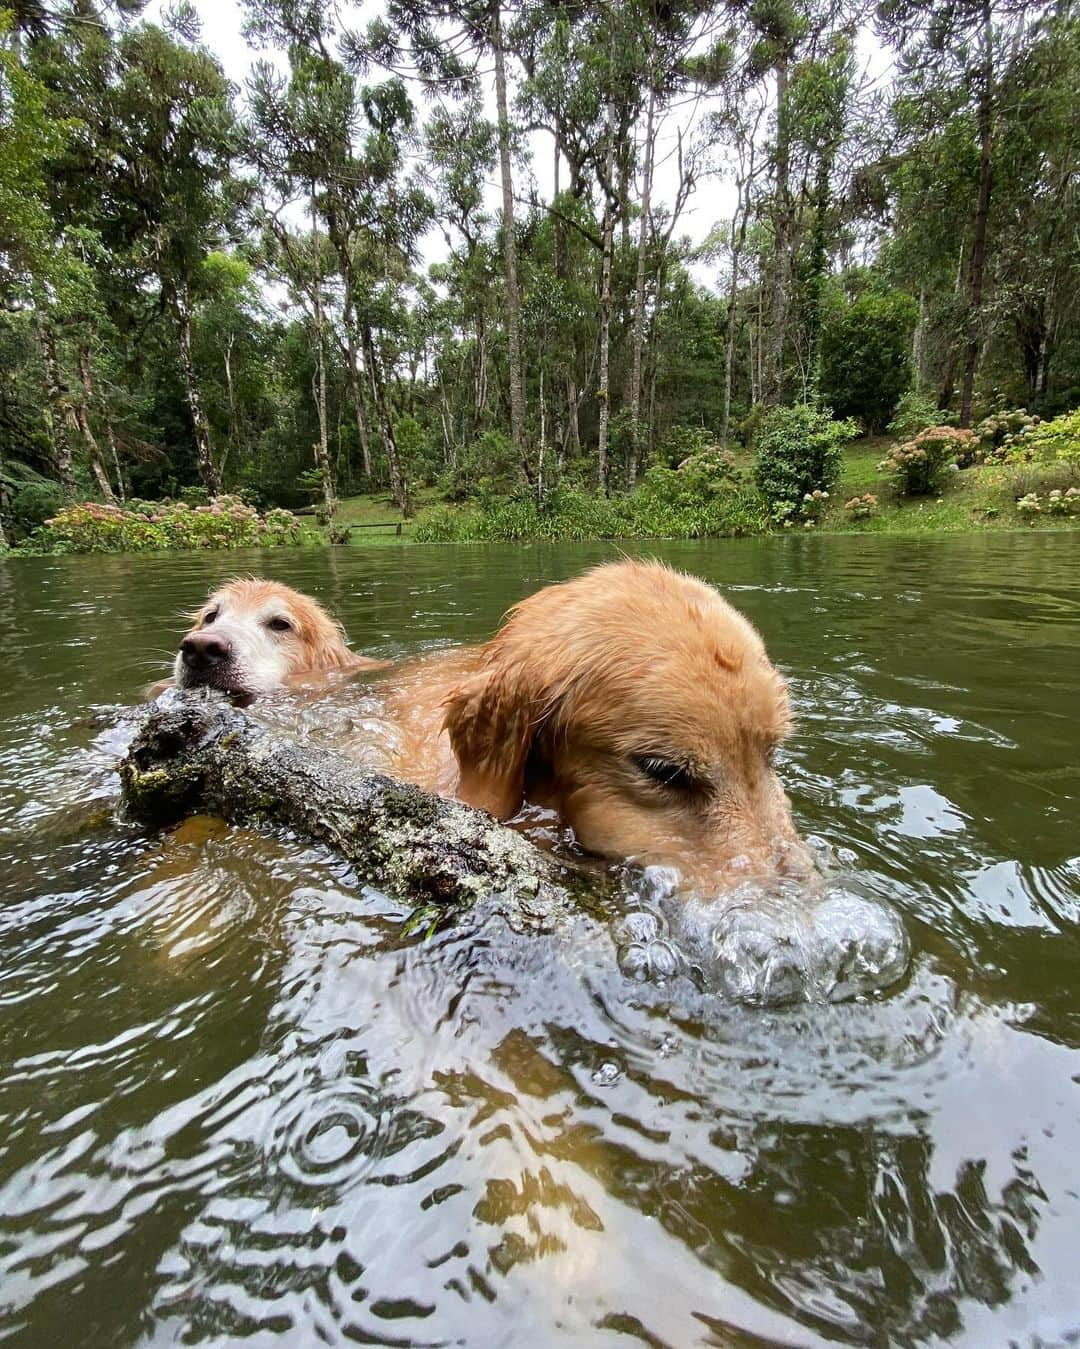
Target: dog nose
x=203 y=650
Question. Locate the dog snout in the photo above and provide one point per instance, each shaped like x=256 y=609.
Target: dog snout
x=202 y=651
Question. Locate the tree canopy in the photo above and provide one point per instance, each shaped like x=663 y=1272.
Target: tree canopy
x=345 y=274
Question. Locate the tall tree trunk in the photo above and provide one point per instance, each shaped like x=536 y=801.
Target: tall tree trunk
x=559 y=230
x=572 y=405
x=322 y=447
x=115 y=452
x=398 y=483
x=639 y=295
x=816 y=281
x=780 y=297
x=62 y=420
x=977 y=269
x=739 y=224
x=356 y=392
x=603 y=392
x=207 y=468
x=513 y=293
x=82 y=416
x=918 y=344
x=543 y=444
x=952 y=353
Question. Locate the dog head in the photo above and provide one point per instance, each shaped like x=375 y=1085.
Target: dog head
x=252 y=636
x=640 y=705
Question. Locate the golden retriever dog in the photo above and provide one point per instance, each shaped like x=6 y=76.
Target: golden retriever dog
x=635 y=702
x=252 y=637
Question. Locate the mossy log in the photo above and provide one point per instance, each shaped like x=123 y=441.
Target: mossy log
x=196 y=753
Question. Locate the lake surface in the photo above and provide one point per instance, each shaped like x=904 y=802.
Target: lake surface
x=236 y=1103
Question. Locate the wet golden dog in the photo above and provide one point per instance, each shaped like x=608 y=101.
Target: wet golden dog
x=633 y=701
x=252 y=637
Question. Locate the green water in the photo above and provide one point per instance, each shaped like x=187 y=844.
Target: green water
x=235 y=1102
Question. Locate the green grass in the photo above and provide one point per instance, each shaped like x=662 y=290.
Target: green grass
x=379 y=508
x=975 y=499
x=979 y=498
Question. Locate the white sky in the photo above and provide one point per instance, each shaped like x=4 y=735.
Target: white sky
x=712 y=201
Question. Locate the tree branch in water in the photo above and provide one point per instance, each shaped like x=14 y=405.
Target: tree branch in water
x=195 y=752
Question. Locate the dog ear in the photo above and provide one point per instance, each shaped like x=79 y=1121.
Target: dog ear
x=492 y=719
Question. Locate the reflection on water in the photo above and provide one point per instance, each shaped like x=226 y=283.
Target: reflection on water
x=236 y=1102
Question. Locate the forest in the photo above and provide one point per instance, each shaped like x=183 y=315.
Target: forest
x=208 y=287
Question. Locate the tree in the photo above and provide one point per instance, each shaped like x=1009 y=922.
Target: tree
x=952 y=61
x=866 y=355
x=173 y=188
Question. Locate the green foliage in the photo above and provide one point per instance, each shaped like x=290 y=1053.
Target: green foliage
x=33 y=502
x=1055 y=502
x=799 y=451
x=1000 y=434
x=486 y=468
x=681 y=442
x=30 y=142
x=861 y=507
x=914 y=413
x=1057 y=440
x=661 y=507
x=145 y=526
x=922 y=465
x=865 y=354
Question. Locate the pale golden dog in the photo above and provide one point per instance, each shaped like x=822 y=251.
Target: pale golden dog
x=633 y=701
x=252 y=637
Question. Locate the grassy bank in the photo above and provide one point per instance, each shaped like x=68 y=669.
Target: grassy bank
x=983 y=497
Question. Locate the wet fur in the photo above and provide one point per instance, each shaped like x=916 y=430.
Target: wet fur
x=313 y=648
x=630 y=662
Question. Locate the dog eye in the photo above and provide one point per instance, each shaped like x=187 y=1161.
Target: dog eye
x=279 y=624
x=667 y=773
x=209 y=618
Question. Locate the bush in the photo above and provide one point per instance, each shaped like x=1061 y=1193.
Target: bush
x=914 y=413
x=799 y=452
x=865 y=355
x=33 y=502
x=920 y=466
x=488 y=467
x=998 y=432
x=659 y=508
x=1057 y=441
x=861 y=507
x=1056 y=502
x=143 y=526
x=683 y=442
x=748 y=428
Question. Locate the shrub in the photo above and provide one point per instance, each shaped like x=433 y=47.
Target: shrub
x=813 y=505
x=865 y=355
x=748 y=428
x=914 y=413
x=998 y=432
x=488 y=467
x=33 y=502
x=683 y=442
x=1056 y=502
x=799 y=451
x=1054 y=441
x=862 y=507
x=699 y=479
x=657 y=509
x=143 y=526
x=920 y=466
